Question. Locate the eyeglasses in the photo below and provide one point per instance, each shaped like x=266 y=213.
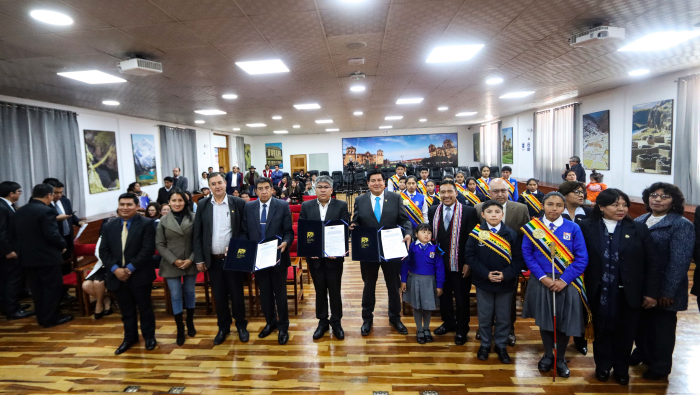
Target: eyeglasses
x=323 y=187
x=578 y=192
x=499 y=191
x=663 y=197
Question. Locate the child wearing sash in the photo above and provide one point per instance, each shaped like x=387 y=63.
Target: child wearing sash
x=402 y=185
x=532 y=198
x=482 y=184
x=422 y=183
x=459 y=179
x=494 y=255
x=414 y=203
x=393 y=184
x=422 y=278
x=431 y=196
x=506 y=171
x=571 y=300
x=474 y=192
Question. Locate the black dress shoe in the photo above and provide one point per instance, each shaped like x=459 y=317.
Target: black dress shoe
x=581 y=345
x=636 y=358
x=67 y=298
x=483 y=353
x=420 y=337
x=151 y=344
x=366 y=328
x=283 y=337
x=621 y=378
x=563 y=370
x=24 y=306
x=442 y=330
x=320 y=331
x=124 y=347
x=338 y=332
x=266 y=331
x=399 y=326
x=60 y=321
x=511 y=340
x=221 y=336
x=19 y=314
x=108 y=312
x=428 y=336
x=243 y=335
x=503 y=355
x=460 y=339
x=602 y=374
x=649 y=375
x=546 y=364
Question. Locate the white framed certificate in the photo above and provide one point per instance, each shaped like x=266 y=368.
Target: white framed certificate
x=393 y=245
x=334 y=241
x=266 y=255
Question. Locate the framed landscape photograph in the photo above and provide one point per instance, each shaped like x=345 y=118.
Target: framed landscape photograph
x=596 y=140
x=652 y=137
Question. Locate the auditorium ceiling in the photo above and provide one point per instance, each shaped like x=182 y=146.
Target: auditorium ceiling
x=199 y=41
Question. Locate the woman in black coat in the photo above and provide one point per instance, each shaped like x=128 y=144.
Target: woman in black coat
x=621 y=279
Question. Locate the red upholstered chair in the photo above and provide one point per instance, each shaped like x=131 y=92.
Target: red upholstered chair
x=295 y=217
x=83 y=261
x=309 y=197
x=295 y=208
x=295 y=228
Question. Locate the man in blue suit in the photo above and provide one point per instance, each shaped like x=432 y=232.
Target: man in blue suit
x=234 y=180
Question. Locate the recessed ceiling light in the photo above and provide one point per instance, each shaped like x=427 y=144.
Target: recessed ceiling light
x=110 y=103
x=357 y=88
x=229 y=96
x=198 y=121
x=357 y=113
x=296 y=126
x=393 y=117
x=385 y=127
x=494 y=81
x=307 y=106
x=637 y=72
x=660 y=40
x=236 y=129
x=280 y=131
x=263 y=67
x=332 y=130
x=92 y=77
x=276 y=117
x=324 y=121
x=453 y=53
x=255 y=125
x=353 y=1
x=211 y=112
x=51 y=17
x=442 y=108
x=466 y=114
x=515 y=95
x=489 y=117
x=422 y=120
x=413 y=100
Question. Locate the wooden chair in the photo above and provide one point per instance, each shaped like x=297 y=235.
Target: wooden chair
x=294 y=278
x=83 y=261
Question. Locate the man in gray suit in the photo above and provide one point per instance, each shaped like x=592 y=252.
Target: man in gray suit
x=381 y=209
x=268 y=218
x=219 y=219
x=179 y=181
x=326 y=272
x=515 y=216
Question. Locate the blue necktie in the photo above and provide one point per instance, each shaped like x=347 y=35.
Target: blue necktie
x=493 y=230
x=377 y=208
x=263 y=220
x=551 y=227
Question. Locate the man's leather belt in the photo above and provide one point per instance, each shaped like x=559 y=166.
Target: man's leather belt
x=218 y=256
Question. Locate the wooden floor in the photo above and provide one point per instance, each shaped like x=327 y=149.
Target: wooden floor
x=78 y=358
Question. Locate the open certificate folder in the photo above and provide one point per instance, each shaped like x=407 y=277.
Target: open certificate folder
x=393 y=245
x=249 y=255
x=319 y=239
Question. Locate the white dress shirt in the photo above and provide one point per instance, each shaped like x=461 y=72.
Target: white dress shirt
x=497 y=227
x=221 y=229
x=424 y=209
x=559 y=222
x=203 y=183
x=234 y=179
x=373 y=200
x=323 y=209
x=261 y=208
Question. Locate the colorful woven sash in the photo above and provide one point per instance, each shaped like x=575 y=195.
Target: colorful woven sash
x=454 y=237
x=395 y=181
x=542 y=237
x=493 y=241
x=415 y=214
x=483 y=187
x=532 y=201
x=421 y=188
x=511 y=190
x=431 y=199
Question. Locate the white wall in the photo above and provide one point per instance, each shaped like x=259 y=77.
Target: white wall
x=124 y=127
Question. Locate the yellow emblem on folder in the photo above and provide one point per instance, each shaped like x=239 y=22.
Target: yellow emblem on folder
x=364 y=242
x=309 y=237
x=241 y=253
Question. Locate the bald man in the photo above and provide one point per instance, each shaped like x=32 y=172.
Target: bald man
x=515 y=216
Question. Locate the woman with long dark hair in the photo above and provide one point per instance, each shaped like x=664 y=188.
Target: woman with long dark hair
x=621 y=279
x=675 y=237
x=153 y=211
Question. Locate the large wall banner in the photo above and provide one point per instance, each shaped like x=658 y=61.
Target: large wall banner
x=416 y=149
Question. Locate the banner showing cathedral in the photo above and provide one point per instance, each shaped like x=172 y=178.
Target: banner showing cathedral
x=507 y=146
x=416 y=149
x=652 y=131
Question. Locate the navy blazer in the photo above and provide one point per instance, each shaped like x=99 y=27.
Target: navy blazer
x=482 y=260
x=35 y=233
x=229 y=182
x=279 y=223
x=393 y=212
x=139 y=250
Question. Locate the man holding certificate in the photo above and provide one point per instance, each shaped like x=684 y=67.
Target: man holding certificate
x=327 y=271
x=378 y=209
x=268 y=218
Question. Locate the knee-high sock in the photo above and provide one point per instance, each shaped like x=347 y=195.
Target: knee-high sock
x=418 y=317
x=548 y=343
x=562 y=342
x=426 y=319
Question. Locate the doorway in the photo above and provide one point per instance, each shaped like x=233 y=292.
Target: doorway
x=298 y=163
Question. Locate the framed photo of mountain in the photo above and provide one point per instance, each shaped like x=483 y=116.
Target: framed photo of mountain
x=596 y=140
x=652 y=137
x=144 y=149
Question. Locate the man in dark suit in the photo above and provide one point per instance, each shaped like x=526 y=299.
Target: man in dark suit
x=380 y=209
x=458 y=281
x=326 y=272
x=268 y=218
x=64 y=215
x=164 y=191
x=219 y=219
x=126 y=250
x=179 y=181
x=39 y=246
x=515 y=216
x=234 y=180
x=11 y=274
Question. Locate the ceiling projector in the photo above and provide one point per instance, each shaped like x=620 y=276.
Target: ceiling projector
x=140 y=67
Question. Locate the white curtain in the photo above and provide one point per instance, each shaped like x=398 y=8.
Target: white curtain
x=490 y=144
x=240 y=155
x=555 y=131
x=687 y=160
x=178 y=148
x=542 y=145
